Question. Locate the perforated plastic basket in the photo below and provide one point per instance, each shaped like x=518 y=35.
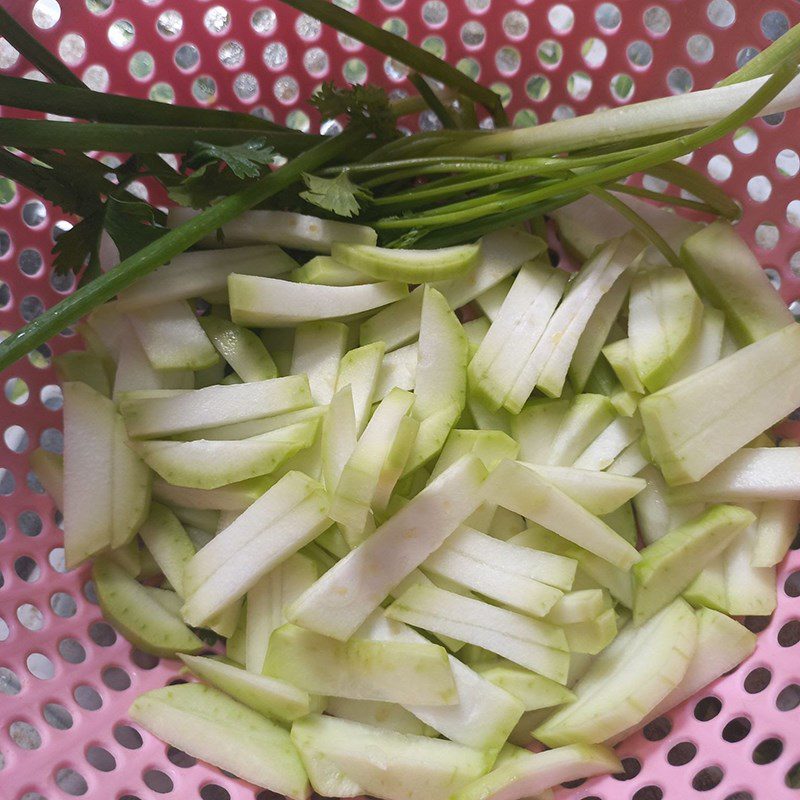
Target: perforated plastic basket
x=66 y=679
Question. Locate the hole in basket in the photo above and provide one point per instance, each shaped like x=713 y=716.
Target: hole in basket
x=169 y=23
x=721 y=13
x=128 y=737
x=657 y=730
x=63 y=604
x=757 y=680
x=767 y=751
x=648 y=793
x=707 y=779
x=56 y=559
x=264 y=20
x=789 y=698
x=9 y=682
x=657 y=20
x=640 y=54
x=87 y=698
x=32 y=796
x=515 y=24
x=4 y=631
x=56 y=716
x=789 y=634
x=631 y=766
x=116 y=679
x=757 y=624
x=736 y=730
x=740 y=796
x=40 y=666
x=774 y=24
x=30 y=617
x=27 y=569
x=144 y=660
x=707 y=708
x=608 y=16
x=101 y=759
x=792 y=779
x=102 y=634
x=788 y=163
x=89 y=592
x=214 y=792
x=574 y=784
x=72 y=651
x=71 y=782
x=700 y=48
x=24 y=735
x=682 y=753
x=767 y=237
x=180 y=759
x=29 y=523
x=158 y=781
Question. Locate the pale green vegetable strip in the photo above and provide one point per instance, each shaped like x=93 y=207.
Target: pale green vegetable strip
x=694 y=425
x=670 y=564
x=359 y=369
x=664 y=318
x=523 y=491
x=329 y=272
x=727 y=272
x=241 y=348
x=410 y=266
x=284 y=228
x=168 y=543
x=171 y=336
x=479 y=700
x=270 y=302
x=753 y=473
x=502 y=254
x=530 y=643
x=548 y=364
x=199 y=274
x=421 y=768
x=722 y=644
x=597 y=331
x=269 y=696
x=633 y=675
x=318 y=349
x=164 y=414
x=211 y=726
x=338 y=603
x=394 y=672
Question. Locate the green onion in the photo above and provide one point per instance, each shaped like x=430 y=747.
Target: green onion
x=176 y=241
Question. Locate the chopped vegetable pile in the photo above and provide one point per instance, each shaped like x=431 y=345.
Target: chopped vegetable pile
x=405 y=498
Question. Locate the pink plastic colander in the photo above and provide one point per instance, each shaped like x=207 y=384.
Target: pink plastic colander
x=66 y=678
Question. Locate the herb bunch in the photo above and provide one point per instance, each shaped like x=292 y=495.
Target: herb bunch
x=430 y=189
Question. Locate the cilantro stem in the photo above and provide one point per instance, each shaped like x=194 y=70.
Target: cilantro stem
x=83 y=103
x=35 y=52
x=767 y=60
x=45 y=183
x=176 y=241
x=659 y=197
x=701 y=187
x=692 y=111
x=641 y=225
x=655 y=155
x=121 y=138
x=403 y=51
x=432 y=101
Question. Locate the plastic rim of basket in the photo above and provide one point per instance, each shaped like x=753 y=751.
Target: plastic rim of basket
x=66 y=678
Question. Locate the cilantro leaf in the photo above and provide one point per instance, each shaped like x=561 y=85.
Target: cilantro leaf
x=366 y=105
x=81 y=243
x=244 y=159
x=203 y=186
x=131 y=224
x=338 y=195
